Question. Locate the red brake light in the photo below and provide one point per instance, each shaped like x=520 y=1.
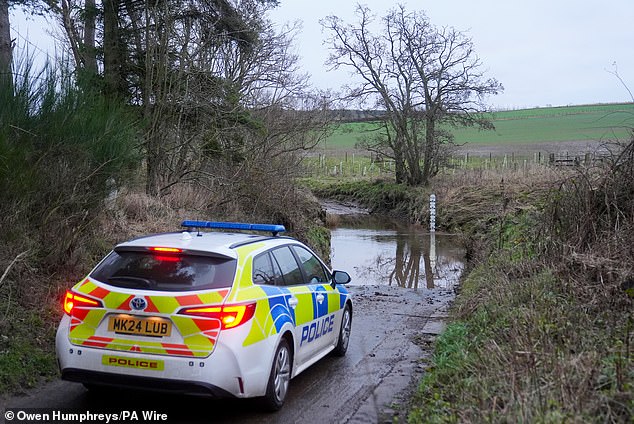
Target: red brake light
x=229 y=315
x=166 y=258
x=166 y=249
x=74 y=300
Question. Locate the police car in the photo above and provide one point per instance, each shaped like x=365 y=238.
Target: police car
x=205 y=312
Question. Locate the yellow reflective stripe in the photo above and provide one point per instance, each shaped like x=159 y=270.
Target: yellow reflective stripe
x=85 y=286
x=263 y=325
x=198 y=341
x=185 y=325
x=333 y=298
x=89 y=325
x=210 y=298
x=165 y=304
x=145 y=347
x=252 y=293
x=304 y=313
x=156 y=348
x=113 y=300
x=244 y=269
x=248 y=249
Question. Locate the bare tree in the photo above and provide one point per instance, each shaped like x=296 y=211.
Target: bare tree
x=420 y=75
x=217 y=85
x=34 y=7
x=5 y=42
x=221 y=102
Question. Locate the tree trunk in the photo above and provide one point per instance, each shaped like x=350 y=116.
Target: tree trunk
x=412 y=152
x=399 y=161
x=428 y=160
x=112 y=47
x=414 y=176
x=6 y=53
x=153 y=161
x=89 y=51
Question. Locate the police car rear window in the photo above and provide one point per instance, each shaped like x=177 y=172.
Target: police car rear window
x=142 y=270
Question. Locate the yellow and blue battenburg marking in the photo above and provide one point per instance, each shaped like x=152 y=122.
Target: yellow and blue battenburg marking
x=281 y=312
x=273 y=310
x=320 y=309
x=343 y=295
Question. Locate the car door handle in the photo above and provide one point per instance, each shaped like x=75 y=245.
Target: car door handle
x=320 y=298
x=292 y=302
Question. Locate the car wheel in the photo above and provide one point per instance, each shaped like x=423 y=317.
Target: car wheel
x=279 y=378
x=344 y=333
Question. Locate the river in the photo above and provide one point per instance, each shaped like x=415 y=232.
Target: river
x=381 y=251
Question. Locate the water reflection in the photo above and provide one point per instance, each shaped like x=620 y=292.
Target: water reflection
x=376 y=251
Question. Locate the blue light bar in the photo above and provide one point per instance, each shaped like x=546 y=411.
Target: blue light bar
x=272 y=228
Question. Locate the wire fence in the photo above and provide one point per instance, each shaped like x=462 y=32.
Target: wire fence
x=370 y=165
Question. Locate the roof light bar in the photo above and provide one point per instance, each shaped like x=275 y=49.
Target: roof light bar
x=273 y=228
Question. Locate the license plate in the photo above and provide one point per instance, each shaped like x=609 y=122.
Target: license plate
x=140 y=326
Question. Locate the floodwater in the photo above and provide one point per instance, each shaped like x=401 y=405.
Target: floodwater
x=378 y=251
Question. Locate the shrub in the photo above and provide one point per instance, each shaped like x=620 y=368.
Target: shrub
x=62 y=149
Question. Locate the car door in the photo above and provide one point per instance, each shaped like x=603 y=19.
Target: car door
x=326 y=300
x=300 y=300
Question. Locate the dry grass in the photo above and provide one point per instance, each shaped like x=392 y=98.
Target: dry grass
x=545 y=320
x=134 y=213
x=332 y=221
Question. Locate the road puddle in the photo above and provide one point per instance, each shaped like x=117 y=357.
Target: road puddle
x=378 y=251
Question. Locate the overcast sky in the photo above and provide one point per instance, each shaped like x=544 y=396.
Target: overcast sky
x=544 y=52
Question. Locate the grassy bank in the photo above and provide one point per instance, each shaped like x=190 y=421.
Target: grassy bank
x=526 y=345
x=466 y=200
x=543 y=327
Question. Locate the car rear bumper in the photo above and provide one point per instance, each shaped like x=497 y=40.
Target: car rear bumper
x=144 y=383
x=222 y=374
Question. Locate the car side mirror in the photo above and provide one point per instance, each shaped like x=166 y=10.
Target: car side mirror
x=340 y=277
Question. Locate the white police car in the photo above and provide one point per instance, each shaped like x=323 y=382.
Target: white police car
x=204 y=312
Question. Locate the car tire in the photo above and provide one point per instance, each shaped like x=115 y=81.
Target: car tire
x=344 y=332
x=279 y=378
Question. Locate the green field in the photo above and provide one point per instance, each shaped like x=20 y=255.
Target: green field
x=526 y=126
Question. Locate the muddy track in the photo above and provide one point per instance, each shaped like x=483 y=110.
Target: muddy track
x=372 y=383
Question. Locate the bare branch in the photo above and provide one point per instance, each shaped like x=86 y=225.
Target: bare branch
x=615 y=72
x=13 y=262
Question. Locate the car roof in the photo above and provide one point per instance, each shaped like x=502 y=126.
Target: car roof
x=221 y=243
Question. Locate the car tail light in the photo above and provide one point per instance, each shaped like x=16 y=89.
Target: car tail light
x=229 y=315
x=73 y=300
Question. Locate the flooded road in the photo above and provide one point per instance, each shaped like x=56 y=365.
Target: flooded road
x=403 y=283
x=377 y=251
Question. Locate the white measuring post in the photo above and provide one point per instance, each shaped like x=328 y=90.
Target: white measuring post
x=432 y=252
x=432 y=231
x=432 y=213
